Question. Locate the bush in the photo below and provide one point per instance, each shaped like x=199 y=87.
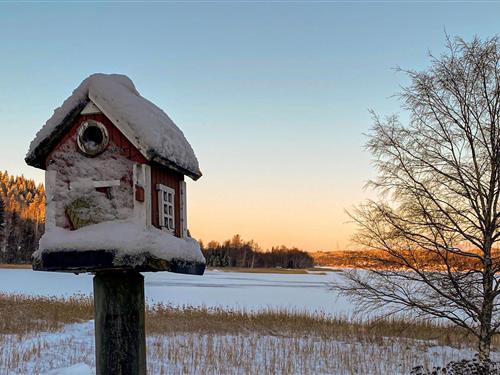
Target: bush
x=463 y=367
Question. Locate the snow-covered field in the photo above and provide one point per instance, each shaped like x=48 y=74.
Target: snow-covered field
x=71 y=351
x=253 y=291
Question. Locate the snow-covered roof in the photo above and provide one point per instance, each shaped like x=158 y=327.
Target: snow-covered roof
x=145 y=125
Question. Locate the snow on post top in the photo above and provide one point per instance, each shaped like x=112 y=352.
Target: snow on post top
x=145 y=125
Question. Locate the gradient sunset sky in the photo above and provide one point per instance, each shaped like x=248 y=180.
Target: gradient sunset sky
x=273 y=96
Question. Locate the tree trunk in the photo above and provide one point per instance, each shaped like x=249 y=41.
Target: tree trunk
x=485 y=330
x=487 y=305
x=484 y=348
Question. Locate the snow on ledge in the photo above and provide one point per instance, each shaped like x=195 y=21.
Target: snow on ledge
x=127 y=238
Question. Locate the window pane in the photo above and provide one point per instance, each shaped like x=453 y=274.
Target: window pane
x=165 y=196
x=170 y=210
x=169 y=197
x=170 y=224
x=165 y=209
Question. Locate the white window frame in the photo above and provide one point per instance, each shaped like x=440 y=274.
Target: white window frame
x=166 y=207
x=182 y=190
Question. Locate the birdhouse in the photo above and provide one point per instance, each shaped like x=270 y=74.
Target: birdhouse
x=115 y=167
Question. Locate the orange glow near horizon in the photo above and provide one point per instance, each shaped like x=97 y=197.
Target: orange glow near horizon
x=308 y=217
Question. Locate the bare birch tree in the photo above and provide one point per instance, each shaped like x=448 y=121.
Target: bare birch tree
x=439 y=185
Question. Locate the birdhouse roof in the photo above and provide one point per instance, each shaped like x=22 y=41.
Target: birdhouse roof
x=145 y=125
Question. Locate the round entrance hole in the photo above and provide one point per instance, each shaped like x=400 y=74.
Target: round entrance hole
x=92 y=138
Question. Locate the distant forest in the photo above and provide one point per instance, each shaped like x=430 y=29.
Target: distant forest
x=377 y=259
x=239 y=253
x=22 y=217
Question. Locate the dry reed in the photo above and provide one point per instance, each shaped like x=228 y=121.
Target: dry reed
x=188 y=340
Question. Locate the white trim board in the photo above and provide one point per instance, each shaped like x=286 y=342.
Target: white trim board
x=184 y=228
x=142 y=178
x=98 y=184
x=90 y=109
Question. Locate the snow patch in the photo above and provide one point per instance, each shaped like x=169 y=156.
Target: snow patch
x=78 y=369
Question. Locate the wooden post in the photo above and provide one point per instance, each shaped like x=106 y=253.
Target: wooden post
x=119 y=323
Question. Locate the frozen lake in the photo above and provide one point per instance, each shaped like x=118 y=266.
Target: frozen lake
x=253 y=291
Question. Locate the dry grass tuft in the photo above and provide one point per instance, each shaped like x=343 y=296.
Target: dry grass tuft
x=164 y=319
x=21 y=315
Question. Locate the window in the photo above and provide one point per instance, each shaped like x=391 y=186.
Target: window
x=92 y=138
x=166 y=207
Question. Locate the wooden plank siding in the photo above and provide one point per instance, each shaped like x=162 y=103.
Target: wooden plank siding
x=172 y=179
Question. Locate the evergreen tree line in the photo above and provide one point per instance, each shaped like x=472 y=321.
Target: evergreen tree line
x=22 y=217
x=239 y=253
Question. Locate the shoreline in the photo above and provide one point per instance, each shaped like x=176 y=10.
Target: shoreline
x=298 y=271
x=287 y=271
x=15 y=265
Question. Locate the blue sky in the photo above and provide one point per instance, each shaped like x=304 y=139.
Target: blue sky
x=273 y=97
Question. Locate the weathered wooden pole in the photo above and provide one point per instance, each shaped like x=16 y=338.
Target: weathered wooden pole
x=119 y=323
